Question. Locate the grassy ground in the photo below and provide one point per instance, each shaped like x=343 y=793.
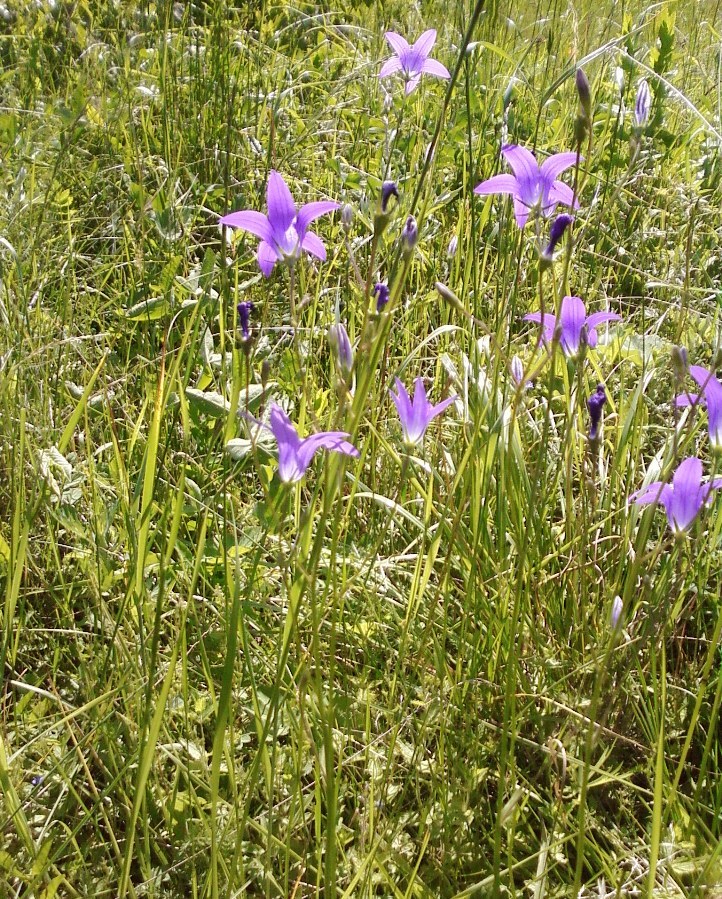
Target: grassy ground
x=398 y=677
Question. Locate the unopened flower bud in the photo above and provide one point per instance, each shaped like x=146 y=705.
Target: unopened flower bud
x=383 y=213
x=409 y=235
x=346 y=217
x=615 y=615
x=382 y=295
x=595 y=404
x=585 y=94
x=244 y=316
x=556 y=232
x=642 y=104
x=341 y=345
x=453 y=245
x=680 y=362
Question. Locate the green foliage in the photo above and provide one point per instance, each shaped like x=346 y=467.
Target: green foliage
x=398 y=677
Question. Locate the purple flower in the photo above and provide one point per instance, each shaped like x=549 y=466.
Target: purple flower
x=712 y=399
x=416 y=415
x=382 y=295
x=532 y=186
x=412 y=62
x=575 y=326
x=284 y=231
x=595 y=404
x=615 y=615
x=295 y=454
x=642 y=104
x=244 y=314
x=683 y=498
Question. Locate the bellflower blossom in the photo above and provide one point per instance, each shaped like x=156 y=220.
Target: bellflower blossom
x=412 y=62
x=284 y=231
x=294 y=453
x=711 y=397
x=416 y=415
x=574 y=325
x=683 y=498
x=532 y=186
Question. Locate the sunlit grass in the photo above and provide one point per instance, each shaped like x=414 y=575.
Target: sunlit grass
x=399 y=676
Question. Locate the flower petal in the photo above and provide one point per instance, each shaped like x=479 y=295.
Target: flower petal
x=281 y=208
x=650 y=494
x=702 y=376
x=312 y=243
x=554 y=165
x=411 y=84
x=497 y=184
x=434 y=67
x=546 y=320
x=424 y=44
x=521 y=211
x=249 y=220
x=572 y=318
x=598 y=318
x=330 y=440
x=688 y=399
x=267 y=258
x=560 y=192
x=391 y=66
x=687 y=495
x=397 y=43
x=524 y=166
x=311 y=211
x=439 y=407
x=288 y=445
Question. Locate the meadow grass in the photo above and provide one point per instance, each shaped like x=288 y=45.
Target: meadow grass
x=399 y=676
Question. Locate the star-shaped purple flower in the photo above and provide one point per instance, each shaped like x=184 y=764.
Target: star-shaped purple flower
x=574 y=326
x=532 y=186
x=416 y=415
x=294 y=453
x=284 y=231
x=683 y=498
x=412 y=62
x=711 y=397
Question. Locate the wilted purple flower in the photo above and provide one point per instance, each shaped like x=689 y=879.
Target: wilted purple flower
x=284 y=231
x=413 y=61
x=409 y=235
x=532 y=186
x=642 y=104
x=595 y=404
x=711 y=397
x=575 y=326
x=341 y=345
x=416 y=415
x=556 y=232
x=244 y=314
x=683 y=498
x=295 y=454
x=382 y=295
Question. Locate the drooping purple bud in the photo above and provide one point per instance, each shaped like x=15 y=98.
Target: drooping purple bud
x=341 y=345
x=409 y=235
x=382 y=295
x=388 y=190
x=244 y=315
x=642 y=104
x=556 y=232
x=585 y=93
x=595 y=404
